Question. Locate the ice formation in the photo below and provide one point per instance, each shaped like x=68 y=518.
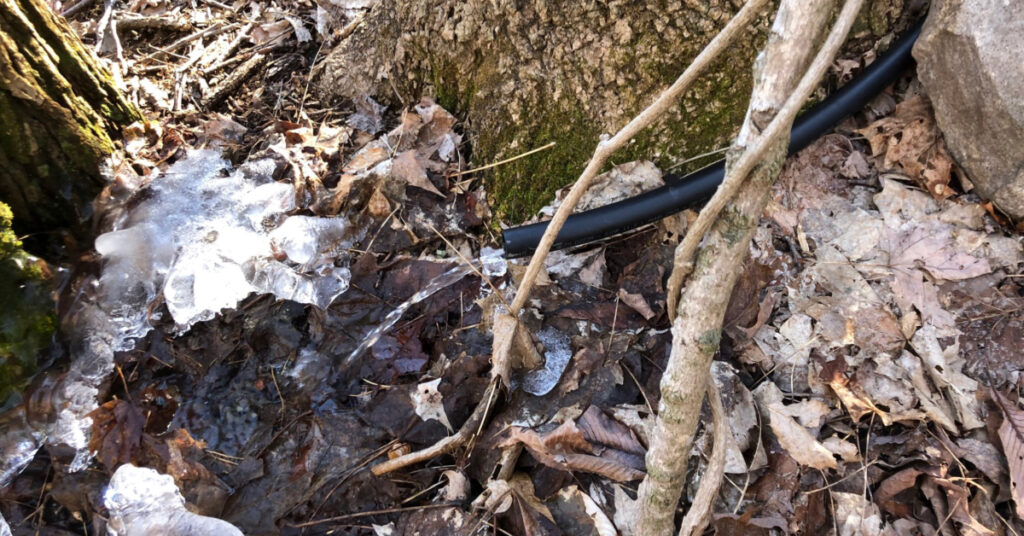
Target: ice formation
x=557 y=353
x=203 y=238
x=144 y=502
x=491 y=261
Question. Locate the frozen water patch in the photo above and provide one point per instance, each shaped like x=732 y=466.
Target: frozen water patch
x=492 y=263
x=18 y=445
x=205 y=239
x=142 y=501
x=557 y=353
x=445 y=280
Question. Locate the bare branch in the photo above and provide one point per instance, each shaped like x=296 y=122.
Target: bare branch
x=783 y=121
x=754 y=164
x=697 y=517
x=607 y=147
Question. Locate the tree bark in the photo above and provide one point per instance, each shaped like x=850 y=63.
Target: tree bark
x=523 y=74
x=58 y=107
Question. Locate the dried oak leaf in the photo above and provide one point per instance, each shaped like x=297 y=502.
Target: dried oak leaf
x=852 y=396
x=566 y=448
x=794 y=436
x=117 y=433
x=406 y=167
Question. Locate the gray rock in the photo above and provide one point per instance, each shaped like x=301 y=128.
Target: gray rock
x=971 y=61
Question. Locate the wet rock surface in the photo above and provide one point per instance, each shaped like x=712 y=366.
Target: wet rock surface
x=971 y=61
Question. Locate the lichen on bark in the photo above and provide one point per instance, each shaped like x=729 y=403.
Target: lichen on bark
x=523 y=74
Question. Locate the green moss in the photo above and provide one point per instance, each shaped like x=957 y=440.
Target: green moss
x=520 y=188
x=27 y=317
x=709 y=341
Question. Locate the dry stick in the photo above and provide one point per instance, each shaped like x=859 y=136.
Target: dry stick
x=503 y=162
x=783 y=121
x=700 y=510
x=697 y=328
x=449 y=443
x=606 y=147
x=76 y=8
x=208 y=32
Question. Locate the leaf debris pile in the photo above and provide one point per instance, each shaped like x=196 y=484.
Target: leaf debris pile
x=870 y=354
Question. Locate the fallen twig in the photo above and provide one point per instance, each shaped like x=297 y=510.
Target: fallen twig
x=450 y=443
x=233 y=80
x=76 y=8
x=218 y=62
x=505 y=161
x=134 y=22
x=167 y=50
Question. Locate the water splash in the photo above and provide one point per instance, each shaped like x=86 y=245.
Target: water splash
x=493 y=265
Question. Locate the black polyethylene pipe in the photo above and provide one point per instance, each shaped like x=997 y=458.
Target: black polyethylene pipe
x=680 y=193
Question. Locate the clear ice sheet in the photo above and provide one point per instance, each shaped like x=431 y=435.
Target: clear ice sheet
x=206 y=238
x=142 y=502
x=203 y=237
x=491 y=262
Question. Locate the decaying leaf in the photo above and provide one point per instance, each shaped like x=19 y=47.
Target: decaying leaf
x=596 y=518
x=1011 y=435
x=406 y=167
x=853 y=397
x=429 y=404
x=857 y=516
x=457 y=488
x=567 y=447
x=794 y=437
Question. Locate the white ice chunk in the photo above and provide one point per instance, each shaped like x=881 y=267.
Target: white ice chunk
x=5 y=529
x=143 y=502
x=18 y=446
x=303 y=238
x=201 y=286
x=557 y=353
x=201 y=237
x=493 y=261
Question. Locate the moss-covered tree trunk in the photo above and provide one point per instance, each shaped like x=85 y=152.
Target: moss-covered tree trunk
x=57 y=109
x=524 y=73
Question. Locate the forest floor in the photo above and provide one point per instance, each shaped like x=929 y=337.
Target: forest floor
x=869 y=364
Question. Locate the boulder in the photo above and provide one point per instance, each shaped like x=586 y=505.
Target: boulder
x=971 y=62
